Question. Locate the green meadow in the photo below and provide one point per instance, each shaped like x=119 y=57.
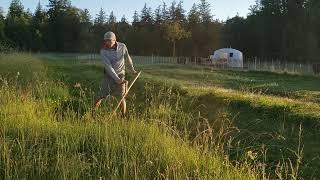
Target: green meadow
x=183 y=122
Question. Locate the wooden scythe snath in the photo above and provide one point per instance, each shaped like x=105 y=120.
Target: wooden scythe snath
x=127 y=91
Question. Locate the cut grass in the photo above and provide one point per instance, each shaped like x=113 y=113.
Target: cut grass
x=296 y=107
x=304 y=88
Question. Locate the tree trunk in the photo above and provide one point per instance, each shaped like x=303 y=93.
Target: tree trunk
x=174 y=49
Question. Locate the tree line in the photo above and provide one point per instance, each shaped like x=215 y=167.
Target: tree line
x=273 y=29
x=285 y=29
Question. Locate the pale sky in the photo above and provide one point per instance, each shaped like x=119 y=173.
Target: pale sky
x=222 y=9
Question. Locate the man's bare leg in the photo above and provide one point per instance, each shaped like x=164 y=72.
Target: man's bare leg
x=123 y=107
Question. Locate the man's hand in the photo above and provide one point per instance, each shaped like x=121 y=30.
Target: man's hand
x=122 y=81
x=134 y=71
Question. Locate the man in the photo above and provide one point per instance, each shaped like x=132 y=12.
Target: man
x=113 y=56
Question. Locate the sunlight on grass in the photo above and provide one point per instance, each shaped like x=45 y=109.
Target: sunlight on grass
x=178 y=128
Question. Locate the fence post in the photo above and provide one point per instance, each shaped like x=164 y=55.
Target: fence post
x=152 y=58
x=300 y=68
x=294 y=67
x=255 y=63
x=285 y=66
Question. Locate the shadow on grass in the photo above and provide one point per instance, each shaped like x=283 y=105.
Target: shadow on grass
x=71 y=108
x=258 y=128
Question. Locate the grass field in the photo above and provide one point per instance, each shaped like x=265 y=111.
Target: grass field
x=183 y=122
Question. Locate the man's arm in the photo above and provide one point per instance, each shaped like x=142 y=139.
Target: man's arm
x=127 y=56
x=109 y=69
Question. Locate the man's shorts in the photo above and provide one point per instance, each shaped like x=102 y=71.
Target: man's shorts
x=109 y=87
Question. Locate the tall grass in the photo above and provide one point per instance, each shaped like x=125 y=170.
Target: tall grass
x=265 y=125
x=47 y=131
x=44 y=134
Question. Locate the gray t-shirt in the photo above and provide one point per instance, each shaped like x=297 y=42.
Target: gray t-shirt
x=114 y=60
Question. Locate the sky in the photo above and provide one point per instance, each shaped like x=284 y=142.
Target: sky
x=221 y=9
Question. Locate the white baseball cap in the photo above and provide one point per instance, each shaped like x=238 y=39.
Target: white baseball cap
x=109 y=36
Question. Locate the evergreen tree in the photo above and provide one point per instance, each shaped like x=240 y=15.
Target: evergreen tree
x=164 y=12
x=172 y=11
x=101 y=17
x=112 y=18
x=85 y=17
x=157 y=16
x=57 y=13
x=146 y=18
x=17 y=26
x=15 y=9
x=99 y=28
x=136 y=19
x=124 y=19
x=2 y=21
x=56 y=7
x=112 y=22
x=123 y=29
x=205 y=11
x=179 y=14
x=38 y=29
x=86 y=36
x=194 y=16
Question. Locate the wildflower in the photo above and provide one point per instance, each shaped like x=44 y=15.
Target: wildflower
x=18 y=74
